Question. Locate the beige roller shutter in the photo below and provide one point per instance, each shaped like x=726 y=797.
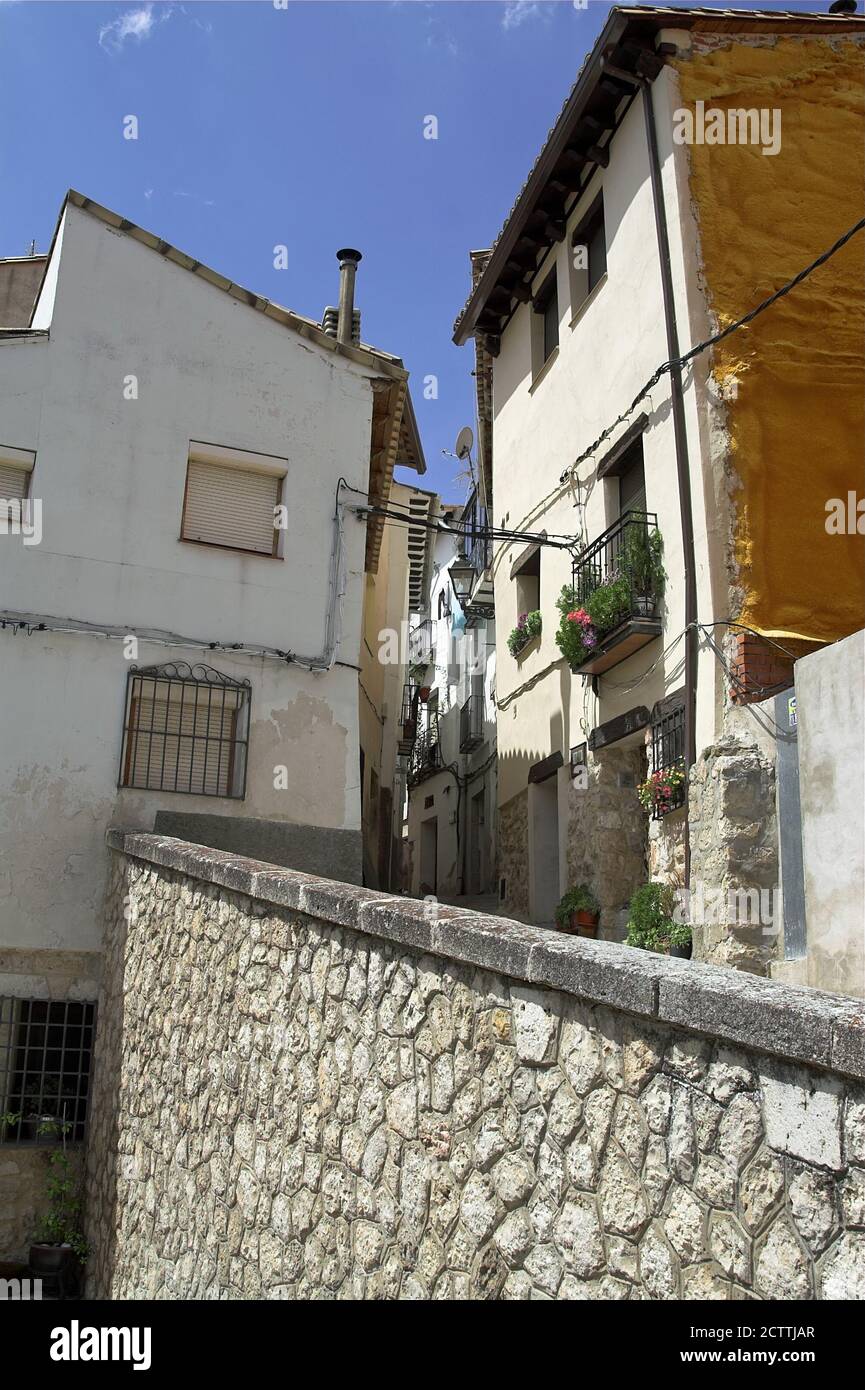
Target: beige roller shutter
x=230 y=506
x=13 y=482
x=183 y=745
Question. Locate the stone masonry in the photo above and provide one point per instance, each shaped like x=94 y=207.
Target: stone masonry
x=606 y=841
x=734 y=855
x=513 y=852
x=310 y=1090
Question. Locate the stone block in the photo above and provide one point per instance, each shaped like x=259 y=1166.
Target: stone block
x=749 y=1011
x=802 y=1115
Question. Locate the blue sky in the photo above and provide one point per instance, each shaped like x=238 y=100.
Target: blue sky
x=300 y=126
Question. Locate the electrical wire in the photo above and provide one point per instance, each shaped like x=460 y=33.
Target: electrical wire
x=693 y=352
x=466 y=533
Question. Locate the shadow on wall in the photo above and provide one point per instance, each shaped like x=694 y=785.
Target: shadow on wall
x=101 y=1210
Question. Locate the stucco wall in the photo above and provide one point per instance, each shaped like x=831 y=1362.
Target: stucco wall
x=795 y=375
x=110 y=473
x=830 y=700
x=305 y=1090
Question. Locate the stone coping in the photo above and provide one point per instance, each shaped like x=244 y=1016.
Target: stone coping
x=796 y=1023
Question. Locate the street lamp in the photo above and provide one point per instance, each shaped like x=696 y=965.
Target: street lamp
x=462 y=575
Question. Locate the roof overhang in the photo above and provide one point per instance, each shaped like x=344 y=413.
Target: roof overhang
x=627 y=54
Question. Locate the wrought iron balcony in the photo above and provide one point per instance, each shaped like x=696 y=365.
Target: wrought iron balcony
x=420 y=643
x=426 y=755
x=618 y=579
x=479 y=553
x=408 y=720
x=471 y=723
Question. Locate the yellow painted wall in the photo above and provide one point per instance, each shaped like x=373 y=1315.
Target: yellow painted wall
x=797 y=412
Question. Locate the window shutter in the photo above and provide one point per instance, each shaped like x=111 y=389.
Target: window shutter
x=13 y=482
x=184 y=743
x=230 y=506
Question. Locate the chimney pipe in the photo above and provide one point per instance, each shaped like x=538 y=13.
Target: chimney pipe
x=348 y=263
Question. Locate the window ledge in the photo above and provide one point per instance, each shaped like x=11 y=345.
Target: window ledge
x=530 y=646
x=235 y=549
x=536 y=381
x=589 y=299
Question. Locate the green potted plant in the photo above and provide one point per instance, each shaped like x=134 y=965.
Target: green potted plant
x=650 y=916
x=640 y=562
x=661 y=790
x=579 y=911
x=60 y=1248
x=528 y=626
x=681 y=943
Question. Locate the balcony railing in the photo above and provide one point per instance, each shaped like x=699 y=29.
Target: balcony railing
x=471 y=723
x=618 y=579
x=420 y=643
x=426 y=755
x=479 y=553
x=408 y=720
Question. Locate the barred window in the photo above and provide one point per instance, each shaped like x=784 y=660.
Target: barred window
x=45 y=1052
x=186 y=729
x=668 y=753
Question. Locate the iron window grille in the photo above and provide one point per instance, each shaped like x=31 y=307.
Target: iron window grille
x=46 y=1048
x=602 y=563
x=668 y=755
x=186 y=729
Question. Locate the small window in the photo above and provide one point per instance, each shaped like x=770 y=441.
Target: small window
x=16 y=466
x=186 y=730
x=45 y=1052
x=546 y=323
x=632 y=483
x=588 y=254
x=625 y=481
x=526 y=570
x=232 y=506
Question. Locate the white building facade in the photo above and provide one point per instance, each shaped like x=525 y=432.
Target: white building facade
x=451 y=723
x=180 y=641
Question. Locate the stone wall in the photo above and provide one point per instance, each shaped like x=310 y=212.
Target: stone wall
x=606 y=841
x=513 y=846
x=734 y=856
x=306 y=1090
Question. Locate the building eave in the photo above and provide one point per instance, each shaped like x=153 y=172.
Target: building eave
x=624 y=56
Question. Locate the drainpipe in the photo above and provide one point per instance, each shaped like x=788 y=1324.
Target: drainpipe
x=682 y=470
x=348 y=263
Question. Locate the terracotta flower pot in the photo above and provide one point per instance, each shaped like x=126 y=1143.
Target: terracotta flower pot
x=585 y=923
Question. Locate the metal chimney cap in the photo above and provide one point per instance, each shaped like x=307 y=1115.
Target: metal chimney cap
x=350 y=255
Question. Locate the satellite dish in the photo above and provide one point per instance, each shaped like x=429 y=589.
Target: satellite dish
x=465 y=441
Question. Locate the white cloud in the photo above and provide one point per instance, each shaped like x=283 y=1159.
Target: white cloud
x=518 y=12
x=133 y=24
